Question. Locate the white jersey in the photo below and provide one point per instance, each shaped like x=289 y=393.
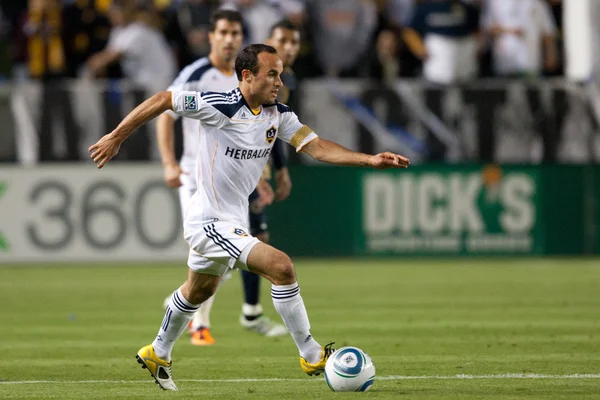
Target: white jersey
x=199 y=76
x=514 y=53
x=147 y=58
x=234 y=147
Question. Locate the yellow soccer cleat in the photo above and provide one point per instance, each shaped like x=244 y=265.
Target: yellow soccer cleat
x=317 y=368
x=158 y=368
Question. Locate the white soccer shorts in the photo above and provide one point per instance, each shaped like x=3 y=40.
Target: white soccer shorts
x=186 y=191
x=218 y=246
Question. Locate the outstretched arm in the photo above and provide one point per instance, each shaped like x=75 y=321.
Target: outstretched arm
x=108 y=146
x=333 y=153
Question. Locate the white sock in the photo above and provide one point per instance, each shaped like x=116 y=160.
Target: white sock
x=177 y=317
x=251 y=311
x=289 y=304
x=202 y=316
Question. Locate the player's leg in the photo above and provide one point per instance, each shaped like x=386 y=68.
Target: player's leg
x=277 y=267
x=184 y=302
x=252 y=317
x=199 y=326
x=203 y=279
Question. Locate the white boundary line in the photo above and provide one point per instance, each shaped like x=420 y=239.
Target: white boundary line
x=380 y=378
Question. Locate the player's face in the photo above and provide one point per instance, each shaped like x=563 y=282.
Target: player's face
x=266 y=84
x=226 y=39
x=287 y=44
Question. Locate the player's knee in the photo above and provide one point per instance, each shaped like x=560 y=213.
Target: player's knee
x=198 y=291
x=201 y=294
x=283 y=271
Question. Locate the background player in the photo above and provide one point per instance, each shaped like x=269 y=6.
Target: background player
x=213 y=73
x=238 y=129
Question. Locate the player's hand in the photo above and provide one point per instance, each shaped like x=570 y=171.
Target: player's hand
x=172 y=173
x=265 y=196
x=389 y=160
x=284 y=184
x=105 y=149
x=265 y=192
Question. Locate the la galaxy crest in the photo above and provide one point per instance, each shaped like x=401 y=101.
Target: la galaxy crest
x=271 y=133
x=239 y=232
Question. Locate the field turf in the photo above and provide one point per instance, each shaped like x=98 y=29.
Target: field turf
x=436 y=329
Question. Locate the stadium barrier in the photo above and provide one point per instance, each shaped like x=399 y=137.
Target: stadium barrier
x=58 y=213
x=502 y=121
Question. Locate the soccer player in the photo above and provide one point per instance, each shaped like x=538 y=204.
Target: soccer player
x=237 y=131
x=285 y=38
x=216 y=73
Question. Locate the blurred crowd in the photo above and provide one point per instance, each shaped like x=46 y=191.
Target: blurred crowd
x=147 y=41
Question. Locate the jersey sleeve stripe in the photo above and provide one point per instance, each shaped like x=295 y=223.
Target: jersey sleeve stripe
x=300 y=135
x=192 y=72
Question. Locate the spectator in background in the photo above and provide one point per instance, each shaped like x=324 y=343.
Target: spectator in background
x=444 y=35
x=398 y=13
x=342 y=31
x=193 y=17
x=384 y=64
x=261 y=15
x=87 y=33
x=136 y=42
x=42 y=46
x=146 y=60
x=523 y=35
x=165 y=12
x=388 y=58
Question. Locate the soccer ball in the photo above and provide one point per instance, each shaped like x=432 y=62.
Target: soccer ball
x=349 y=369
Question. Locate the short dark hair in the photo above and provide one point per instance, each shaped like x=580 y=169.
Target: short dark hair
x=248 y=58
x=284 y=24
x=227 y=15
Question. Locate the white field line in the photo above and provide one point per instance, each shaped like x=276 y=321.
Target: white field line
x=379 y=378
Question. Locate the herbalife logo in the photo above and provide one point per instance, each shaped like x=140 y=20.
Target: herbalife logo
x=3 y=242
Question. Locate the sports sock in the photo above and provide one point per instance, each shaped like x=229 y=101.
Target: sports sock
x=201 y=317
x=177 y=316
x=289 y=304
x=252 y=312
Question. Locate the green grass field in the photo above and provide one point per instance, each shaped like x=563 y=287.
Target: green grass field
x=71 y=332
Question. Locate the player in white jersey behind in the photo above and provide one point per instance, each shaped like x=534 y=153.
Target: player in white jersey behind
x=238 y=129
x=214 y=73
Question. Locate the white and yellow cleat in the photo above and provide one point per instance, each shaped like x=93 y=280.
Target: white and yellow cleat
x=158 y=368
x=318 y=367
